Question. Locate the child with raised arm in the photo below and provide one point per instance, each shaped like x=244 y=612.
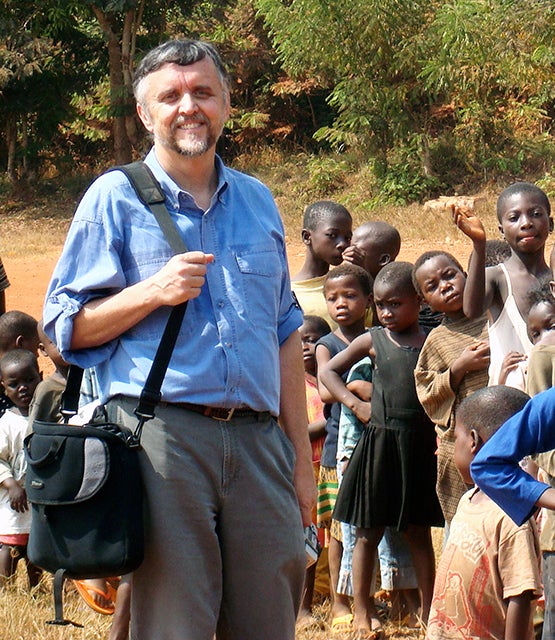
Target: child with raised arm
x=390 y=480
x=524 y=215
x=326 y=234
x=19 y=377
x=488 y=575
x=347 y=293
x=453 y=364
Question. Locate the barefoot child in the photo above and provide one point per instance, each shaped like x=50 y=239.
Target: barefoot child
x=390 y=480
x=453 y=364
x=19 y=377
x=524 y=215
x=326 y=234
x=347 y=293
x=488 y=575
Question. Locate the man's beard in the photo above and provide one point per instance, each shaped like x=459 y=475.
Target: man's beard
x=191 y=146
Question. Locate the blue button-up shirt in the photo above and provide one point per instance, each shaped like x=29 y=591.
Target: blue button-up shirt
x=227 y=353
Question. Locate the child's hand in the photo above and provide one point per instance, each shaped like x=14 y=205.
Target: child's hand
x=363 y=411
x=354 y=255
x=18 y=498
x=469 y=223
x=510 y=362
x=475 y=357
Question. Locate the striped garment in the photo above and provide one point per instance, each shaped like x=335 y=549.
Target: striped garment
x=443 y=346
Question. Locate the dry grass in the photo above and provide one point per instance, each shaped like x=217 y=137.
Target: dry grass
x=24 y=615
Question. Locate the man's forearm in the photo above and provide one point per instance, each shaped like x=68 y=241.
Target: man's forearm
x=294 y=422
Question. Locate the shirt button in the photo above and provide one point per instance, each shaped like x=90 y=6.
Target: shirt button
x=221 y=304
x=228 y=345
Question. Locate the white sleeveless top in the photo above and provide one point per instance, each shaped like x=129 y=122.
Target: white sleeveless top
x=508 y=333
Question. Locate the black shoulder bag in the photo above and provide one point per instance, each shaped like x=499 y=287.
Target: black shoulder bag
x=84 y=483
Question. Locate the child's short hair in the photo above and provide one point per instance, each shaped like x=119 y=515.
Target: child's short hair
x=428 y=255
x=541 y=293
x=19 y=357
x=381 y=234
x=318 y=324
x=521 y=187
x=497 y=251
x=353 y=271
x=397 y=275
x=490 y=407
x=14 y=324
x=322 y=210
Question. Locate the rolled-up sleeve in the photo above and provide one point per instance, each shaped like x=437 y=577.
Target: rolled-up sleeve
x=88 y=268
x=496 y=469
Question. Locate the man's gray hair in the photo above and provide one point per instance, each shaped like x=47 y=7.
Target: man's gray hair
x=182 y=52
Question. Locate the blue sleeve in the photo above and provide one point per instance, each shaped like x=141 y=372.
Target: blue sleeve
x=89 y=267
x=495 y=468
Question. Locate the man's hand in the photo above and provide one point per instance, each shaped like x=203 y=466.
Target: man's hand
x=104 y=319
x=182 y=277
x=305 y=488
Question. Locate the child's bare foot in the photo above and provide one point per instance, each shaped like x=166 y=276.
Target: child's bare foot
x=368 y=626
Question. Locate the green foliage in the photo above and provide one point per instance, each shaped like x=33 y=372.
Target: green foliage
x=326 y=174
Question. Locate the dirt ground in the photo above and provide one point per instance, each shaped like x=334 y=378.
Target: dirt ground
x=29 y=277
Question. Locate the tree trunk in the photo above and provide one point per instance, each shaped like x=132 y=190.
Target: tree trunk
x=132 y=21
x=11 y=142
x=119 y=103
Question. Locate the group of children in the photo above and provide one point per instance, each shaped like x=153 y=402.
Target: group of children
x=423 y=364
x=411 y=370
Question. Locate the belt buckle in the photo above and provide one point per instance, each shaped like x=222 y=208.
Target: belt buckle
x=223 y=415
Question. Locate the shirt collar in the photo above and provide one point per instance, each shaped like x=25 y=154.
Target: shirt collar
x=173 y=190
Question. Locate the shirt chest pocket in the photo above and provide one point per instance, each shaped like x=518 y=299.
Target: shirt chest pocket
x=260 y=274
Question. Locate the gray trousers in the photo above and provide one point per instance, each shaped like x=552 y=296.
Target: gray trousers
x=224 y=540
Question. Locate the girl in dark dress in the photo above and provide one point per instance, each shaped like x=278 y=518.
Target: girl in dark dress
x=390 y=480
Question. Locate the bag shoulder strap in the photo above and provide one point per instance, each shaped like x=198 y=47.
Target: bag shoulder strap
x=150 y=192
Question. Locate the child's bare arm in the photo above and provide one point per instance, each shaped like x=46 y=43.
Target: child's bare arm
x=361 y=388
x=518 y=623
x=323 y=356
x=477 y=295
x=330 y=375
x=317 y=429
x=547 y=499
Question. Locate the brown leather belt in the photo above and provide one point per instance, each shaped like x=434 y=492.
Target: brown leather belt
x=221 y=413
